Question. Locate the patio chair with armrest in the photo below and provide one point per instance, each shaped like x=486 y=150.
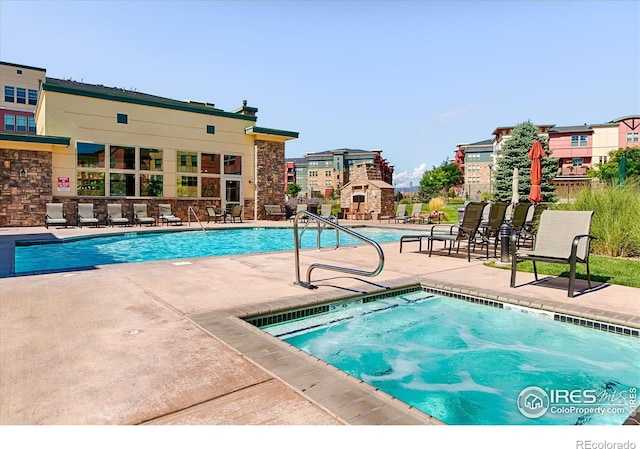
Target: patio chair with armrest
x=166 y=216
x=325 y=212
x=235 y=214
x=215 y=213
x=491 y=229
x=401 y=213
x=518 y=218
x=562 y=237
x=115 y=215
x=86 y=215
x=530 y=228
x=55 y=215
x=141 y=217
x=273 y=210
x=453 y=234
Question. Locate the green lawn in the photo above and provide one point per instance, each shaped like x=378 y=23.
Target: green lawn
x=618 y=271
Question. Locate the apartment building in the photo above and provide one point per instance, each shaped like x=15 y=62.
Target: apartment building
x=319 y=174
x=20 y=85
x=577 y=149
x=102 y=145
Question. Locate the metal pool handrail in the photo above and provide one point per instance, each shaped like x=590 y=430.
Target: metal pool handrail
x=321 y=220
x=191 y=211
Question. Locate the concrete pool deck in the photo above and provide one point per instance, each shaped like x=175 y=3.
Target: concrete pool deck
x=161 y=342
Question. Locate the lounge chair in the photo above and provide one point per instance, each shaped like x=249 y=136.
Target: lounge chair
x=215 y=213
x=401 y=213
x=273 y=210
x=86 y=215
x=363 y=212
x=491 y=229
x=141 y=217
x=325 y=212
x=518 y=218
x=236 y=213
x=352 y=213
x=115 y=215
x=562 y=237
x=530 y=228
x=465 y=231
x=55 y=215
x=167 y=217
x=416 y=213
x=299 y=208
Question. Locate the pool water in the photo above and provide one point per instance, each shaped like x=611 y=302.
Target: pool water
x=467 y=363
x=143 y=247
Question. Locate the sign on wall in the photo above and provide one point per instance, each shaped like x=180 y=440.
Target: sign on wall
x=63 y=184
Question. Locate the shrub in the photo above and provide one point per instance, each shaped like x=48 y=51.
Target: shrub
x=616 y=218
x=436 y=204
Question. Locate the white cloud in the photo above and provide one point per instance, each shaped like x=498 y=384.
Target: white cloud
x=406 y=178
x=445 y=117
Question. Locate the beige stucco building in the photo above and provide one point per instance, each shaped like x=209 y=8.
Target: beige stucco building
x=104 y=145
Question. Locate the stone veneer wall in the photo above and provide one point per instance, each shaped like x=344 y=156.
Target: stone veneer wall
x=269 y=180
x=25 y=181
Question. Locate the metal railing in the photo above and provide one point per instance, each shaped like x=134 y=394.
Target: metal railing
x=191 y=211
x=323 y=223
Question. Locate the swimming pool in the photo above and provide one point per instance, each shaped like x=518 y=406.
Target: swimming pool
x=51 y=255
x=467 y=363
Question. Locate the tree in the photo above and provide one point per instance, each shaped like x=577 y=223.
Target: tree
x=514 y=153
x=438 y=180
x=293 y=190
x=608 y=171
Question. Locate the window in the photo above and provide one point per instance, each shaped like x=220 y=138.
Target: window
x=232 y=165
x=21 y=123
x=122 y=157
x=603 y=159
x=187 y=186
x=21 y=95
x=90 y=183
x=150 y=185
x=122 y=184
x=122 y=118
x=327 y=173
x=9 y=122
x=210 y=187
x=9 y=93
x=211 y=129
x=187 y=162
x=632 y=137
x=31 y=124
x=576 y=161
x=579 y=141
x=91 y=155
x=150 y=159
x=210 y=163
x=33 y=97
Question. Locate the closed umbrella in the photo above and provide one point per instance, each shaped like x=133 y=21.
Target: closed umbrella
x=536 y=154
x=515 y=185
x=622 y=169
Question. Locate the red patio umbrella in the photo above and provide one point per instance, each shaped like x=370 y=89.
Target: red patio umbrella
x=535 y=154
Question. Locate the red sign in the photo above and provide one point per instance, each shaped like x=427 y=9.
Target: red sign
x=63 y=184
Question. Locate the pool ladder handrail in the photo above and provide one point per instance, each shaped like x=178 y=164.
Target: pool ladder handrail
x=192 y=211
x=322 y=224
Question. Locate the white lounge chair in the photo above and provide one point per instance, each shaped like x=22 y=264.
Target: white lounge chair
x=167 y=217
x=86 y=215
x=55 y=215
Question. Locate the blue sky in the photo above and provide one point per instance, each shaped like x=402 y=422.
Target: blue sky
x=410 y=78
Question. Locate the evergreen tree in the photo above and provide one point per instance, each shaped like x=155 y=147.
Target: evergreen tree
x=514 y=153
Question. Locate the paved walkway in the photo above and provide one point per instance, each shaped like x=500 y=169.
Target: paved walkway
x=160 y=343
